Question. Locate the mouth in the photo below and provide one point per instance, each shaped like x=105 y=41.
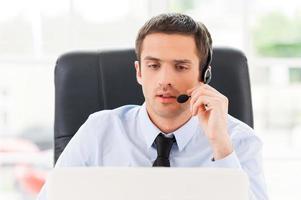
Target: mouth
x=166 y=98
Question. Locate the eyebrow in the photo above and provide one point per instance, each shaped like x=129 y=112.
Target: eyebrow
x=183 y=61
x=151 y=58
x=176 y=61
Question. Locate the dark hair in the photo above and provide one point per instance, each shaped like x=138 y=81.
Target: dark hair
x=176 y=23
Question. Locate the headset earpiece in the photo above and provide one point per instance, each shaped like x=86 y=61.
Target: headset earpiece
x=207 y=73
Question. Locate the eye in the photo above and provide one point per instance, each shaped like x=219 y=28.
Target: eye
x=181 y=67
x=154 y=66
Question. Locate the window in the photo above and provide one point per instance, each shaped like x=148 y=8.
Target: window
x=269 y=33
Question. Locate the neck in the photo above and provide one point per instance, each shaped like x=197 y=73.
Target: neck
x=169 y=124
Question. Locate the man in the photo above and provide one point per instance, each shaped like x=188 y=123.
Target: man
x=172 y=52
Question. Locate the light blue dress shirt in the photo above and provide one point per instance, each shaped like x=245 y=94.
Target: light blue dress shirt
x=125 y=137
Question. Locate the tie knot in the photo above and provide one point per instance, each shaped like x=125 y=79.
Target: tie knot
x=164 y=145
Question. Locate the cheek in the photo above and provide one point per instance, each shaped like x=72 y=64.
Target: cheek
x=195 y=77
x=149 y=77
x=191 y=78
x=184 y=85
x=147 y=82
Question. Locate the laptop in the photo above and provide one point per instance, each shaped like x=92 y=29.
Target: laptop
x=119 y=183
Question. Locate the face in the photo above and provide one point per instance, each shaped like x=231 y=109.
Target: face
x=169 y=67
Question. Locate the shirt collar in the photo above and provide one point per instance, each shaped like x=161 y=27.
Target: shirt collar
x=150 y=130
x=185 y=133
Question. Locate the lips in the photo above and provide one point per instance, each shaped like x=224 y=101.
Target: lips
x=166 y=98
x=166 y=95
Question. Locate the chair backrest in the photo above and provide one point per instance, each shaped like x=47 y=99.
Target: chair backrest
x=86 y=82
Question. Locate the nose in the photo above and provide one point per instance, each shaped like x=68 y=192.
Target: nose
x=165 y=77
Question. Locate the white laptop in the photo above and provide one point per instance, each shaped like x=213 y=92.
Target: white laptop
x=107 y=183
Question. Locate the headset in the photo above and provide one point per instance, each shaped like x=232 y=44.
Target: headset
x=206 y=73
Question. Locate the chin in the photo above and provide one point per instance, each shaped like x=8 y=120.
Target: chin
x=168 y=111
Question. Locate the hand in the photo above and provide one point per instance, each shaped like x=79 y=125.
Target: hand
x=211 y=107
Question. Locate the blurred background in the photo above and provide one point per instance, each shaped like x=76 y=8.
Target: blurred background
x=33 y=33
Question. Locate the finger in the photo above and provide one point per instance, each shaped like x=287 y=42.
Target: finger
x=202 y=86
x=211 y=88
x=203 y=91
x=199 y=104
x=202 y=101
x=189 y=91
x=198 y=90
x=198 y=94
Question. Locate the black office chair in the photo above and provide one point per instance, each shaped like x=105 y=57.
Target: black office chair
x=86 y=82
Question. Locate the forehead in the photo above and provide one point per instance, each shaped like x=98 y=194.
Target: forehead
x=169 y=46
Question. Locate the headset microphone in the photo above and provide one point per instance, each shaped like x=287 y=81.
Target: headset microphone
x=183 y=98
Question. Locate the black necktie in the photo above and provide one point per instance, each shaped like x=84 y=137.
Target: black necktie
x=163 y=145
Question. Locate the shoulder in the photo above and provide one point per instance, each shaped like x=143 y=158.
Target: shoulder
x=104 y=120
x=234 y=123
x=121 y=113
x=109 y=119
x=93 y=135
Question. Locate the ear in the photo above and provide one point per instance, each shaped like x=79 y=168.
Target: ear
x=138 y=72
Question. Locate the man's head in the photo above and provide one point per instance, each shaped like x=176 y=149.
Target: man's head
x=175 y=23
x=172 y=50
